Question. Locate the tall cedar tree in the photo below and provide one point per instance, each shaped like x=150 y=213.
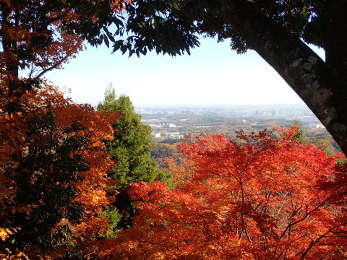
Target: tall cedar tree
x=130 y=149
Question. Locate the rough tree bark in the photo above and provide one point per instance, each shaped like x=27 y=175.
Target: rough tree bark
x=320 y=84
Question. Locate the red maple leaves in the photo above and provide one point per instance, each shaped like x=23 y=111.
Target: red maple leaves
x=259 y=199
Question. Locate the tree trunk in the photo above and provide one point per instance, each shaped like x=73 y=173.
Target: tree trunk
x=323 y=90
x=333 y=24
x=9 y=56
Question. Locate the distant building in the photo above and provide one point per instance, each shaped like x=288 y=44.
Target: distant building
x=155 y=125
x=177 y=135
x=156 y=135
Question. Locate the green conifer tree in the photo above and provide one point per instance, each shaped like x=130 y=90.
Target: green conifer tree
x=131 y=151
x=132 y=145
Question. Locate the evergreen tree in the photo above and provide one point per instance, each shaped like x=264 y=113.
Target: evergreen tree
x=131 y=146
x=130 y=149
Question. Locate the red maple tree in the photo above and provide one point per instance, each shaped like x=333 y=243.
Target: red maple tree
x=261 y=198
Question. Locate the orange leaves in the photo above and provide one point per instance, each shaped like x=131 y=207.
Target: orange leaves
x=118 y=5
x=20 y=34
x=93 y=227
x=5 y=233
x=64 y=47
x=93 y=187
x=19 y=256
x=258 y=199
x=93 y=122
x=54 y=150
x=12 y=134
x=172 y=225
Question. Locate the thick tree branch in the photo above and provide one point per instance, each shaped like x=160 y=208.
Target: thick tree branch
x=314 y=242
x=304 y=71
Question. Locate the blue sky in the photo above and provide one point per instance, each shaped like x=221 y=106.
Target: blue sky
x=211 y=75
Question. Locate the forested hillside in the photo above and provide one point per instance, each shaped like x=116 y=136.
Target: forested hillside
x=71 y=188
x=78 y=182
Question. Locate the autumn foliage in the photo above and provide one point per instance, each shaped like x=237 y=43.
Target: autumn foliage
x=265 y=196
x=261 y=198
x=54 y=181
x=40 y=36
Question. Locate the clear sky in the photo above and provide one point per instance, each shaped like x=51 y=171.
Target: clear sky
x=211 y=75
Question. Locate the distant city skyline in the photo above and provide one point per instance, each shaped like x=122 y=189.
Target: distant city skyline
x=211 y=75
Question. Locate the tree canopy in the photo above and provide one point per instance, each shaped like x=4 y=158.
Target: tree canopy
x=269 y=197
x=53 y=174
x=277 y=30
x=42 y=35
x=264 y=198
x=38 y=36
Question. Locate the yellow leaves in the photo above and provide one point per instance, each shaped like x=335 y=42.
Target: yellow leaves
x=158 y=256
x=91 y=198
x=12 y=116
x=5 y=233
x=19 y=256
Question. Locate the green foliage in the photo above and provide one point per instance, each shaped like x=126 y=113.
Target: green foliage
x=165 y=176
x=342 y=160
x=172 y=26
x=322 y=140
x=114 y=218
x=130 y=149
x=131 y=146
x=299 y=135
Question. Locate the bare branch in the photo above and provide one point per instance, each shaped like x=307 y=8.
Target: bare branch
x=52 y=67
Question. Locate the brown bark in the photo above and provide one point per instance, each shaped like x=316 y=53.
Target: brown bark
x=319 y=86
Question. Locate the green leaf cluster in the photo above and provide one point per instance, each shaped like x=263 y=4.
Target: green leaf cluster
x=131 y=151
x=114 y=218
x=131 y=146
